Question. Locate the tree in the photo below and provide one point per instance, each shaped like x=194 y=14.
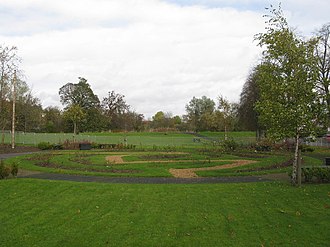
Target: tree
x=113 y=106
x=75 y=114
x=9 y=65
x=79 y=94
x=158 y=120
x=29 y=113
x=131 y=121
x=229 y=113
x=195 y=110
x=288 y=105
x=114 y=103
x=322 y=53
x=95 y=120
x=163 y=120
x=53 y=120
x=247 y=115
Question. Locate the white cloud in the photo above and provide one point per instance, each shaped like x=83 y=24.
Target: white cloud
x=159 y=55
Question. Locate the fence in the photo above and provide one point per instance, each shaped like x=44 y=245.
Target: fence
x=319 y=142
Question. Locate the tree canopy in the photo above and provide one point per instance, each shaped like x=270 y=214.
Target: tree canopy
x=289 y=107
x=322 y=53
x=79 y=94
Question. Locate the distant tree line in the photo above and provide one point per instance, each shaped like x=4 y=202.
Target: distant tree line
x=84 y=111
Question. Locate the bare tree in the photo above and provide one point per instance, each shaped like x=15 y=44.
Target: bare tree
x=9 y=63
x=322 y=53
x=114 y=104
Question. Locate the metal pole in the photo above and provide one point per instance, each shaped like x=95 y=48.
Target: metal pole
x=13 y=117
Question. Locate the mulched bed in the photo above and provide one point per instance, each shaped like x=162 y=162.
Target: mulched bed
x=6 y=149
x=89 y=169
x=272 y=167
x=163 y=156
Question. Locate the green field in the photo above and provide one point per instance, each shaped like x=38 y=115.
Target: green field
x=54 y=213
x=134 y=138
x=37 y=212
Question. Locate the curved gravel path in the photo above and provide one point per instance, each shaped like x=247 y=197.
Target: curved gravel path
x=143 y=180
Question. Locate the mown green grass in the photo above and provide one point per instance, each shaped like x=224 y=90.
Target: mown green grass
x=132 y=138
x=140 y=139
x=54 y=213
x=230 y=134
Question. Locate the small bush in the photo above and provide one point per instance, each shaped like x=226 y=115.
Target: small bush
x=14 y=169
x=74 y=145
x=321 y=174
x=306 y=148
x=5 y=170
x=307 y=174
x=57 y=146
x=230 y=145
x=45 y=146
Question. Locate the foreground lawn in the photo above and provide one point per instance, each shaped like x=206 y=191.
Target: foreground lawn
x=54 y=213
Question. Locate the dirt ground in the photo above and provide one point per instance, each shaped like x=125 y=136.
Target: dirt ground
x=115 y=159
x=7 y=149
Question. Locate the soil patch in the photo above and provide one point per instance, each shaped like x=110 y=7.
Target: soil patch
x=158 y=157
x=6 y=149
x=84 y=169
x=275 y=166
x=115 y=159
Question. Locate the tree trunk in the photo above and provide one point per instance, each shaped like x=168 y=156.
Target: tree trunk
x=299 y=168
x=226 y=137
x=295 y=162
x=3 y=136
x=74 y=128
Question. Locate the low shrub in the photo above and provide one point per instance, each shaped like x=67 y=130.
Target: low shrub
x=6 y=170
x=45 y=146
x=49 y=146
x=306 y=148
x=230 y=145
x=307 y=174
x=74 y=145
x=264 y=145
x=14 y=169
x=321 y=174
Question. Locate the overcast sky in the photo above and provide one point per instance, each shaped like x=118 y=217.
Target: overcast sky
x=158 y=53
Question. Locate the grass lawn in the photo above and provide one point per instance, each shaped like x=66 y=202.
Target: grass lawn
x=230 y=134
x=57 y=213
x=145 y=139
